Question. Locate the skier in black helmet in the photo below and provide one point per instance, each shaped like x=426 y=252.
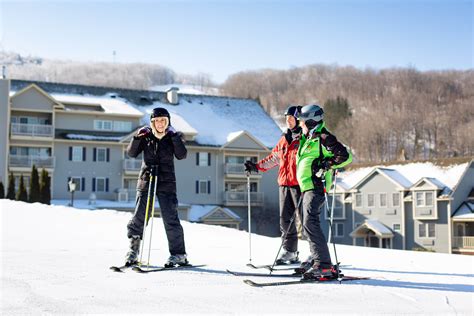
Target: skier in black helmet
x=318 y=153
x=283 y=155
x=159 y=143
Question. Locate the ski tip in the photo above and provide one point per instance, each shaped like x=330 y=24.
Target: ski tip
x=116 y=269
x=251 y=283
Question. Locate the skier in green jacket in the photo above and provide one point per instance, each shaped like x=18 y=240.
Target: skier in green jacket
x=318 y=154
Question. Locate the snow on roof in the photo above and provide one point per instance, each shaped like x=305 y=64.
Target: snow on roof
x=215 y=118
x=374 y=225
x=411 y=173
x=465 y=211
x=183 y=88
x=196 y=212
x=397 y=176
x=109 y=102
x=234 y=135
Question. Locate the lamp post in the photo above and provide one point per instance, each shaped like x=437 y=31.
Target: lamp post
x=72 y=188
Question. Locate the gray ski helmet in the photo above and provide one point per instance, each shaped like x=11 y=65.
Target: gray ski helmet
x=160 y=112
x=312 y=112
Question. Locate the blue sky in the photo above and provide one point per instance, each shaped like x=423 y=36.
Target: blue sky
x=224 y=37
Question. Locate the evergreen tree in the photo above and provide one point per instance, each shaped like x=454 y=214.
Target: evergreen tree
x=2 y=190
x=336 y=111
x=34 y=186
x=45 y=188
x=11 y=187
x=22 y=195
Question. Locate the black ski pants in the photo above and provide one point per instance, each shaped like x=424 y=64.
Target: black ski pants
x=289 y=197
x=312 y=204
x=169 y=212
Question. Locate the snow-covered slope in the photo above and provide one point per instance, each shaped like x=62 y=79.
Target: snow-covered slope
x=55 y=260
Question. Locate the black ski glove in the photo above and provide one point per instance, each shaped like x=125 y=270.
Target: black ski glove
x=250 y=167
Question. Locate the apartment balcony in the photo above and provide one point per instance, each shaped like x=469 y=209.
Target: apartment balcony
x=31 y=131
x=241 y=198
x=132 y=166
x=126 y=195
x=25 y=163
x=463 y=244
x=237 y=170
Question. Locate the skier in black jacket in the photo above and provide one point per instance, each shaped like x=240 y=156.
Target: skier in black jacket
x=159 y=143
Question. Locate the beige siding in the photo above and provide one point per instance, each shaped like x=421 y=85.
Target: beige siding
x=4 y=121
x=32 y=99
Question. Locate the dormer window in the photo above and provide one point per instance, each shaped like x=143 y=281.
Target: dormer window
x=424 y=199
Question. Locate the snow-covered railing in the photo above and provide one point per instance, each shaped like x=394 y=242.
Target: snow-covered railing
x=32 y=130
x=29 y=161
x=132 y=164
x=242 y=197
x=235 y=168
x=463 y=242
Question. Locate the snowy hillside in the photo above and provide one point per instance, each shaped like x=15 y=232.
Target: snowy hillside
x=55 y=260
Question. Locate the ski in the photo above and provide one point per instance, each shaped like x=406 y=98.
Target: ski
x=145 y=270
x=303 y=281
x=275 y=268
x=121 y=268
x=253 y=274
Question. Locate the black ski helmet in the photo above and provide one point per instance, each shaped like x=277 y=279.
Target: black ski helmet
x=312 y=115
x=294 y=110
x=160 y=112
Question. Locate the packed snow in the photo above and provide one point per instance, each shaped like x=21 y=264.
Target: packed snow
x=56 y=259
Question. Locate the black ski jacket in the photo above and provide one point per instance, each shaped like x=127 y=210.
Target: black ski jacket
x=159 y=152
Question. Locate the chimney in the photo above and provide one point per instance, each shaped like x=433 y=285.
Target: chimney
x=172 y=95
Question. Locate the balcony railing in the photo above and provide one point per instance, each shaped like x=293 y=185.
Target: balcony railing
x=126 y=195
x=132 y=164
x=466 y=242
x=29 y=161
x=234 y=168
x=242 y=198
x=37 y=130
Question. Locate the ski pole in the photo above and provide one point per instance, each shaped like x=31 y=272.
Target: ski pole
x=331 y=219
x=155 y=177
x=287 y=231
x=249 y=217
x=146 y=216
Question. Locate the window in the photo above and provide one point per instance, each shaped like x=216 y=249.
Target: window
x=77 y=153
x=339 y=230
x=426 y=230
x=429 y=198
x=103 y=125
x=80 y=183
x=101 y=154
x=383 y=200
x=203 y=187
x=203 y=159
x=240 y=159
x=122 y=126
x=396 y=227
x=358 y=200
x=101 y=185
x=424 y=199
x=338 y=209
x=395 y=199
x=370 y=200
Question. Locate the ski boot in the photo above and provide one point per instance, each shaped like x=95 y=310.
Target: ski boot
x=132 y=254
x=305 y=266
x=287 y=257
x=176 y=260
x=319 y=272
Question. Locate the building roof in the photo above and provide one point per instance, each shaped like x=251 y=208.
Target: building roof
x=373 y=225
x=408 y=175
x=90 y=135
x=198 y=212
x=464 y=212
x=211 y=118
